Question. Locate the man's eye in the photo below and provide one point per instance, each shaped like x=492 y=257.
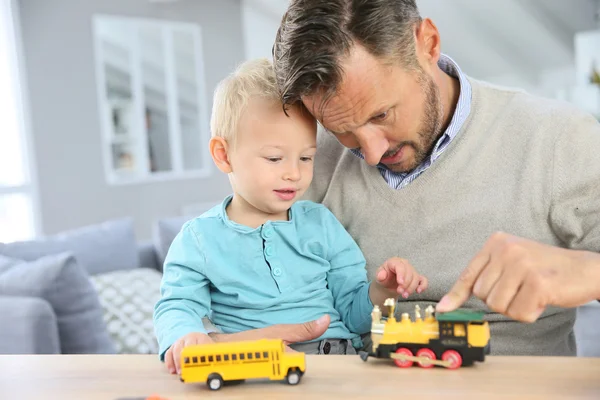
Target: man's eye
x=380 y=117
x=273 y=159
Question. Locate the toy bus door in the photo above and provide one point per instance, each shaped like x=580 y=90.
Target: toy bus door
x=276 y=363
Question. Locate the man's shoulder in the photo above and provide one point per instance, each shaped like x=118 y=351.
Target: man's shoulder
x=531 y=104
x=535 y=109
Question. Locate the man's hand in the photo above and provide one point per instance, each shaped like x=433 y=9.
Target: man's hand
x=173 y=355
x=519 y=277
x=290 y=333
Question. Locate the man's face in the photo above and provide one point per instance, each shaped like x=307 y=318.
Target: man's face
x=394 y=116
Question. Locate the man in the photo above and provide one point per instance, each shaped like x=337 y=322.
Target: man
x=449 y=164
x=423 y=162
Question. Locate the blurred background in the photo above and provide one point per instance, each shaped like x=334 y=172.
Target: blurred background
x=104 y=104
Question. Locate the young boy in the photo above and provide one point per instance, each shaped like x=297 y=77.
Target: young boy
x=262 y=257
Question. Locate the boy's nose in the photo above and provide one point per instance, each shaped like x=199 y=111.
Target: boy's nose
x=292 y=173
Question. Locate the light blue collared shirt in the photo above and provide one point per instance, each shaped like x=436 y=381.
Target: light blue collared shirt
x=398 y=180
x=281 y=272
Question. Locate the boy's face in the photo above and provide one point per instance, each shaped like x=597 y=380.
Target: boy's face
x=272 y=160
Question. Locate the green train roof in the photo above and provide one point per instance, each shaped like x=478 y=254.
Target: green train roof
x=460 y=315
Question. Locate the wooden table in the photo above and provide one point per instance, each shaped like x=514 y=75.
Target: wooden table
x=87 y=377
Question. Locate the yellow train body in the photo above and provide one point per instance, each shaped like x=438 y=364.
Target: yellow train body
x=458 y=338
x=222 y=362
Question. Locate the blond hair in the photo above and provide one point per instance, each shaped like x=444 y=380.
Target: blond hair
x=252 y=79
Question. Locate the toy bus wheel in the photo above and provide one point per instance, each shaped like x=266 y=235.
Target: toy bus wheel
x=214 y=382
x=404 y=363
x=293 y=377
x=426 y=353
x=454 y=357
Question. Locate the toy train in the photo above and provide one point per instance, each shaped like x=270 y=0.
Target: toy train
x=453 y=339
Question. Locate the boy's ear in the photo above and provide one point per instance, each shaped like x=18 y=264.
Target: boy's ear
x=219 y=150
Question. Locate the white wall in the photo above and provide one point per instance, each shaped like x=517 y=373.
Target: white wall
x=260 y=27
x=59 y=62
x=553 y=83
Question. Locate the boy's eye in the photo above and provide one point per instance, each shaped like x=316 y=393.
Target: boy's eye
x=273 y=159
x=306 y=159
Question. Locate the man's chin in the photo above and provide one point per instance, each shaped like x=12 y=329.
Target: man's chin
x=401 y=168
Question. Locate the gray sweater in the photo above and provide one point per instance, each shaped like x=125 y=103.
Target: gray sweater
x=520 y=164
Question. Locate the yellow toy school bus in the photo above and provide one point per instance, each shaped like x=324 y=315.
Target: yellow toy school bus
x=234 y=362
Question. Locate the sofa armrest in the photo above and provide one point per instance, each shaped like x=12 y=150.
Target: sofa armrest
x=148 y=256
x=28 y=326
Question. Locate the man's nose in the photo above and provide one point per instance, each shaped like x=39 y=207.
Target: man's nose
x=372 y=145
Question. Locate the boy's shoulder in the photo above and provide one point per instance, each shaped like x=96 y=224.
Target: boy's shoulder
x=311 y=210
x=208 y=220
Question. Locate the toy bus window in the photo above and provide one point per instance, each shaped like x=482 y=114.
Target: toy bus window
x=266 y=354
x=257 y=355
x=459 y=330
x=249 y=356
x=186 y=360
x=202 y=359
x=210 y=358
x=218 y=358
x=194 y=360
x=226 y=357
x=242 y=356
x=233 y=357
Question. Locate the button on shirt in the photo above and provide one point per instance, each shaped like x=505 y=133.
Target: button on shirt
x=281 y=272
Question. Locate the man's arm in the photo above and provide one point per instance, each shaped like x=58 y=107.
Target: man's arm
x=290 y=333
x=519 y=277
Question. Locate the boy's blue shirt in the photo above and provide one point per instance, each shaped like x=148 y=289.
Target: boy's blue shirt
x=281 y=272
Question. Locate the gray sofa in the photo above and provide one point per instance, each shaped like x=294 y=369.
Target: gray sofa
x=40 y=322
x=49 y=298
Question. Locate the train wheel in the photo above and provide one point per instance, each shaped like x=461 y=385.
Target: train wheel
x=406 y=363
x=454 y=357
x=427 y=353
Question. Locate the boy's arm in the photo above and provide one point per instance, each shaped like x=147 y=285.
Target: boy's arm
x=185 y=295
x=347 y=278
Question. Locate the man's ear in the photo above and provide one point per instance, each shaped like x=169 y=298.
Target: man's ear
x=219 y=150
x=428 y=45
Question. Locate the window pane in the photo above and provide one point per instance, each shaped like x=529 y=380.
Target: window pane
x=12 y=172
x=186 y=73
x=16 y=220
x=153 y=65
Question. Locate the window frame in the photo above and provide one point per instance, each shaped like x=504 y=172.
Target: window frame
x=11 y=21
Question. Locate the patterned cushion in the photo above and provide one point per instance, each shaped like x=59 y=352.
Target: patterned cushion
x=128 y=299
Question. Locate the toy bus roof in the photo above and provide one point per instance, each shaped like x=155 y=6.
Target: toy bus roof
x=460 y=315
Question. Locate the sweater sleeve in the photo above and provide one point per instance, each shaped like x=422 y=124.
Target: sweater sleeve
x=575 y=204
x=329 y=152
x=185 y=293
x=347 y=277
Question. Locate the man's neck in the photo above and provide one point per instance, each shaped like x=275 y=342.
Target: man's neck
x=449 y=92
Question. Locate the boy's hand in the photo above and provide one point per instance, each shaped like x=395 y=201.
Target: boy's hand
x=399 y=277
x=173 y=355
